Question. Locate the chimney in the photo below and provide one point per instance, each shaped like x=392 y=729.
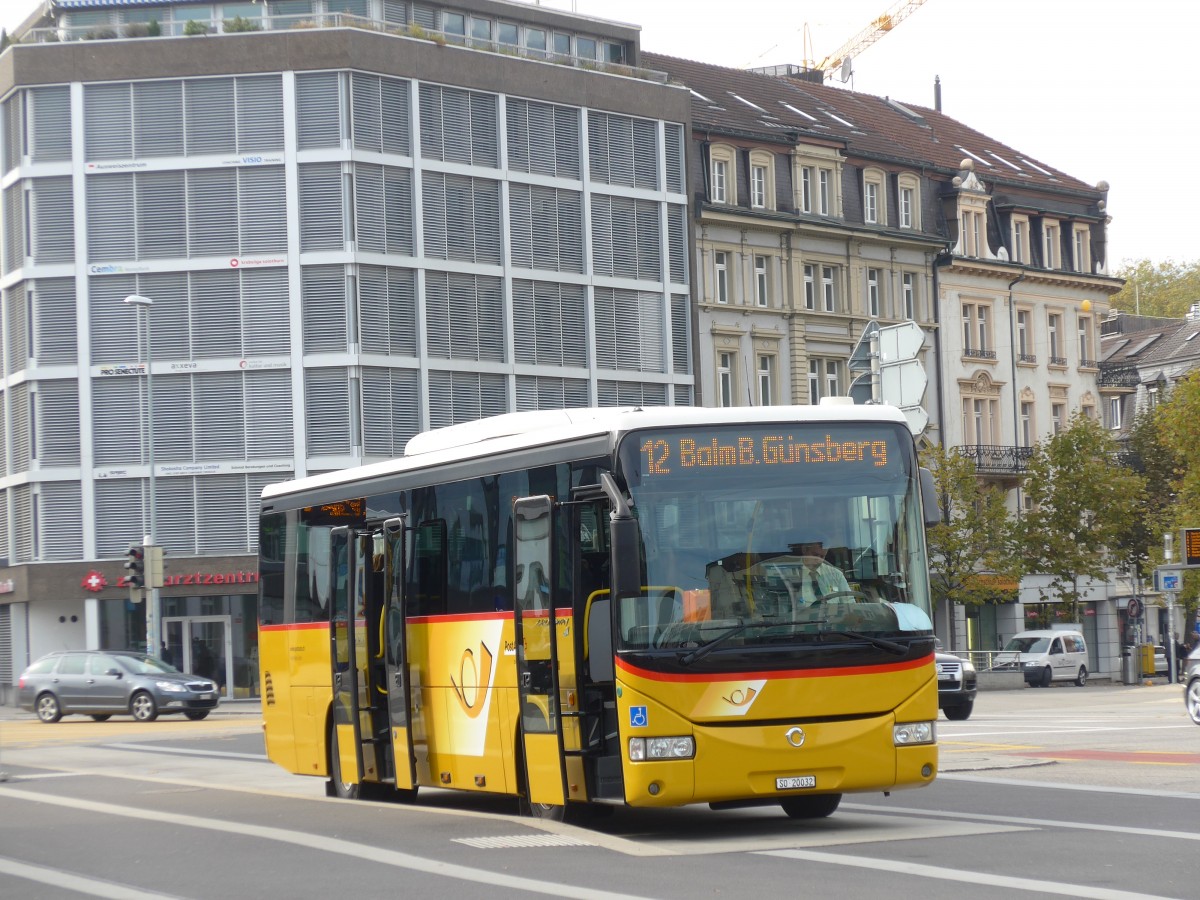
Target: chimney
x=937 y=92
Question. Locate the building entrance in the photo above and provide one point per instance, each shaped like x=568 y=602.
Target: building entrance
x=201 y=645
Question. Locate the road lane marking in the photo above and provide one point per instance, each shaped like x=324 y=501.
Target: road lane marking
x=1067 y=786
x=893 y=867
x=183 y=751
x=327 y=844
x=77 y=883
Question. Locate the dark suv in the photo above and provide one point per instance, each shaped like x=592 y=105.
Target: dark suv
x=103 y=683
x=956 y=685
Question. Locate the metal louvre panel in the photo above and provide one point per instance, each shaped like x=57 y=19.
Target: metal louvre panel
x=269 y=426
x=629 y=330
x=265 y=313
x=649 y=240
x=20 y=445
x=645 y=154
x=543 y=138
x=366 y=112
x=321 y=215
x=60 y=510
x=16 y=350
x=395 y=12
x=681 y=331
x=161 y=224
x=541 y=392
x=175 y=419
x=462 y=218
x=115 y=414
x=259 y=113
x=112 y=333
x=178 y=515
x=3 y=464
x=22 y=524
x=630 y=393
x=546 y=227
x=254 y=489
x=464 y=316
x=683 y=395
x=54 y=343
x=318 y=110
x=677 y=242
x=213 y=295
x=327 y=411
x=58 y=424
x=6 y=635
x=212 y=219
x=396 y=130
x=456 y=397
x=262 y=209
x=323 y=291
x=459 y=126
x=208 y=125
x=217 y=529
x=14 y=226
x=485 y=130
x=673 y=154
x=598 y=156
x=110 y=217
x=383 y=209
x=52 y=220
x=118 y=515
x=157 y=118
x=626 y=237
x=549 y=321
x=425 y=16
x=50 y=131
x=170 y=322
x=390 y=404
x=13 y=136
x=387 y=310
x=612 y=148
x=108 y=121
x=220 y=414
x=602 y=234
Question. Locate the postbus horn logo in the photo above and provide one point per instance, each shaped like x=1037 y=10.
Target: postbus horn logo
x=473 y=678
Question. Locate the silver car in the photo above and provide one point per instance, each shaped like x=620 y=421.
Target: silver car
x=103 y=683
x=1191 y=685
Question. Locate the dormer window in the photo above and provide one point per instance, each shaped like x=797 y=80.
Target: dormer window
x=1081 y=248
x=874 y=207
x=723 y=185
x=1020 y=239
x=909 y=194
x=1050 y=245
x=762 y=180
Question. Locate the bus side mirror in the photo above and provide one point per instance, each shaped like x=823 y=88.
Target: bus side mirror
x=929 y=500
x=626 y=557
x=599 y=640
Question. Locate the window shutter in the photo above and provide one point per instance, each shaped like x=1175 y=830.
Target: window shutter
x=170 y=321
x=324 y=299
x=20 y=438
x=395 y=12
x=161 y=220
x=629 y=330
x=179 y=516
x=60 y=509
x=461 y=218
x=327 y=411
x=630 y=393
x=115 y=414
x=464 y=316
x=17 y=351
x=108 y=121
x=366 y=112
x=58 y=424
x=265 y=313
x=216 y=530
x=22 y=523
x=540 y=392
x=53 y=306
x=157 y=119
x=113 y=337
x=209 y=125
x=387 y=310
x=50 y=137
x=546 y=227
x=118 y=507
x=259 y=113
x=395 y=130
x=318 y=110
x=645 y=154
x=110 y=212
x=213 y=296
x=390 y=404
x=14 y=226
x=649 y=240
x=13 y=111
x=383 y=209
x=220 y=414
x=212 y=219
x=673 y=147
x=52 y=220
x=459 y=126
x=677 y=242
x=268 y=414
x=321 y=214
x=549 y=323
x=456 y=397
x=175 y=419
x=681 y=334
x=262 y=210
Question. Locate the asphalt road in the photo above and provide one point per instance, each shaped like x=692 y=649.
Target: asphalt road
x=1080 y=792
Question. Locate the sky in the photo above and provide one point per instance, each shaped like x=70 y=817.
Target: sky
x=1097 y=88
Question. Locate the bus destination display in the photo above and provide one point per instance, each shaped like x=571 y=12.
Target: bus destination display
x=689 y=453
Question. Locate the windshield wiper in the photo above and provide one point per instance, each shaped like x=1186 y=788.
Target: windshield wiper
x=690 y=657
x=881 y=643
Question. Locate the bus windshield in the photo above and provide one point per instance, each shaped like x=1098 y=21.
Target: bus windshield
x=767 y=534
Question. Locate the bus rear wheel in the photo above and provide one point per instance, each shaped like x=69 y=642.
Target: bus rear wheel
x=812 y=806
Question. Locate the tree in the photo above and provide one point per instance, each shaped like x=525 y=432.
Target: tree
x=1147 y=453
x=1178 y=422
x=973 y=537
x=1158 y=289
x=1081 y=498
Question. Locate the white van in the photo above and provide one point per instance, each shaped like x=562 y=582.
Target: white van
x=1046 y=656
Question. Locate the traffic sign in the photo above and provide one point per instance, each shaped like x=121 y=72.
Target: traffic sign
x=898 y=343
x=903 y=384
x=1168 y=578
x=918 y=419
x=860 y=357
x=860 y=388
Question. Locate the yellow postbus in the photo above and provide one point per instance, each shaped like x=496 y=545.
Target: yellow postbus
x=595 y=607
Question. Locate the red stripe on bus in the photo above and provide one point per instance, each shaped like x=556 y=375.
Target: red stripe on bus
x=294 y=626
x=775 y=675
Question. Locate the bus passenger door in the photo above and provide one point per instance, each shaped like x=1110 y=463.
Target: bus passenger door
x=395 y=640
x=349 y=675
x=537 y=652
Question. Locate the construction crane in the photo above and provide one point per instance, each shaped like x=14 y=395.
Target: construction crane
x=868 y=36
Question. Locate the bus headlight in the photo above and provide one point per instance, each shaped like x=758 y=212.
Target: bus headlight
x=913 y=733
x=661 y=748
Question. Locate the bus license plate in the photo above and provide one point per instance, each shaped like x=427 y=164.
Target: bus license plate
x=798 y=781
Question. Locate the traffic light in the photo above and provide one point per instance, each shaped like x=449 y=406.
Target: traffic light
x=154 y=566
x=135 y=567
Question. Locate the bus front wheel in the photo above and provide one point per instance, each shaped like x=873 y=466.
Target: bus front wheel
x=337 y=787
x=812 y=806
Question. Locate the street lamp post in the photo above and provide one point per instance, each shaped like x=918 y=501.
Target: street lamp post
x=143 y=305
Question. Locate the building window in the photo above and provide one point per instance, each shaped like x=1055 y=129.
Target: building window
x=760 y=281
x=824 y=178
x=723 y=188
x=1086 y=358
x=980 y=419
x=874 y=205
x=1058 y=414
x=1024 y=338
x=1114 y=412
x=910 y=200
x=828 y=289
x=822 y=379
x=762 y=180
x=1088 y=410
x=873 y=293
x=726 y=370
x=810 y=287
x=871 y=202
x=906 y=207
x=720 y=172
x=721 y=264
x=1050 y=256
x=1081 y=248
x=1020 y=239
x=977 y=331
x=1054 y=339
x=1026 y=424
x=806 y=189
x=909 y=286
x=758 y=187
x=766 y=379
x=971 y=241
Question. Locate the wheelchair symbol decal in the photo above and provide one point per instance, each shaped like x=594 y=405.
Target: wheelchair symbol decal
x=638 y=717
